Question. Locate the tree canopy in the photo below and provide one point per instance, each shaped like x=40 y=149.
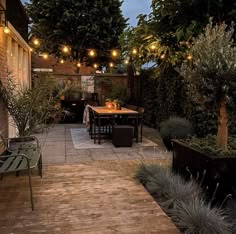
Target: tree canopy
x=167 y=32
x=80 y=25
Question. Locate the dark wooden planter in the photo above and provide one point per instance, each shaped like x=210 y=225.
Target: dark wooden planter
x=168 y=144
x=211 y=171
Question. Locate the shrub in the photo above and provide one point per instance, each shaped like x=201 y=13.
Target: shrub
x=175 y=128
x=209 y=147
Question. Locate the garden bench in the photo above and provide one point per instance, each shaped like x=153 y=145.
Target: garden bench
x=24 y=156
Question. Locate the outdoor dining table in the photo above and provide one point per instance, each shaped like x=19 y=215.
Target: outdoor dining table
x=102 y=111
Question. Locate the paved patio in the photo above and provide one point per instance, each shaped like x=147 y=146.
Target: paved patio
x=58 y=148
x=73 y=197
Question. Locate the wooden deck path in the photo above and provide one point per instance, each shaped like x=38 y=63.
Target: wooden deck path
x=79 y=199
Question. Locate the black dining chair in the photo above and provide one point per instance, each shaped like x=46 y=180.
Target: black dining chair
x=105 y=125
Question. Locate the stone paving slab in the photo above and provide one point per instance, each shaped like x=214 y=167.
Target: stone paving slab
x=80 y=199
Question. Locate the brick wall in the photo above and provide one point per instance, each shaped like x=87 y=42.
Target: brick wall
x=3 y=73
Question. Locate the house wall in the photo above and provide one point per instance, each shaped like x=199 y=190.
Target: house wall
x=18 y=63
x=3 y=74
x=15 y=56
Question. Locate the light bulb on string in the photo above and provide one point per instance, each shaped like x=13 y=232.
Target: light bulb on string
x=153 y=47
x=134 y=51
x=36 y=42
x=189 y=57
x=111 y=64
x=65 y=49
x=78 y=64
x=45 y=56
x=162 y=56
x=126 y=61
x=114 y=53
x=62 y=61
x=95 y=65
x=91 y=53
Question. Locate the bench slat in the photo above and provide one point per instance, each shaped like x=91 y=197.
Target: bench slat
x=15 y=163
x=6 y=164
x=23 y=165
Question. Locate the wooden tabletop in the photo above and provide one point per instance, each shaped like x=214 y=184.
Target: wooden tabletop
x=101 y=110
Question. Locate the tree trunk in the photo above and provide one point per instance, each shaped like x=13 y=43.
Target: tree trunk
x=130 y=73
x=222 y=133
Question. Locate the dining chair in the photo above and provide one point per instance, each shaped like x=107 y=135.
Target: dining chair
x=105 y=125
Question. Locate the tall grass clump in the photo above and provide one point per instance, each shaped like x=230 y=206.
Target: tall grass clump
x=183 y=201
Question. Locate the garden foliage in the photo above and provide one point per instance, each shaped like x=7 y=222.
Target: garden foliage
x=183 y=201
x=30 y=108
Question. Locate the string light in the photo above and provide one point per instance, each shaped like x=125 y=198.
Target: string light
x=78 y=64
x=61 y=61
x=31 y=49
x=95 y=65
x=114 y=53
x=126 y=61
x=36 y=42
x=45 y=56
x=162 y=56
x=153 y=47
x=91 y=53
x=65 y=49
x=189 y=57
x=6 y=30
x=134 y=51
x=111 y=64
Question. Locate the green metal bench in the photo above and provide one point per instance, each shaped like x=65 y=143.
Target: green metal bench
x=25 y=156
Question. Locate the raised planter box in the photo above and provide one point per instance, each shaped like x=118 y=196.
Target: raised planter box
x=211 y=171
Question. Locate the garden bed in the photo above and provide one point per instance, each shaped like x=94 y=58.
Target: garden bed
x=216 y=174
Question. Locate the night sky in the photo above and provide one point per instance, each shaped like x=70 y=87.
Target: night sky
x=132 y=8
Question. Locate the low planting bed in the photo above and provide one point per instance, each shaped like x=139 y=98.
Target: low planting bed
x=214 y=169
x=184 y=201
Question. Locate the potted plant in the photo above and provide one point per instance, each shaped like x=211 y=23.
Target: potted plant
x=29 y=108
x=117 y=104
x=208 y=77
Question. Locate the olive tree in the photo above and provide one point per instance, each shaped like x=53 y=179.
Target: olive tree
x=210 y=72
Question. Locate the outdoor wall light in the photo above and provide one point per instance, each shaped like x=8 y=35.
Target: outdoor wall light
x=6 y=30
x=3 y=19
